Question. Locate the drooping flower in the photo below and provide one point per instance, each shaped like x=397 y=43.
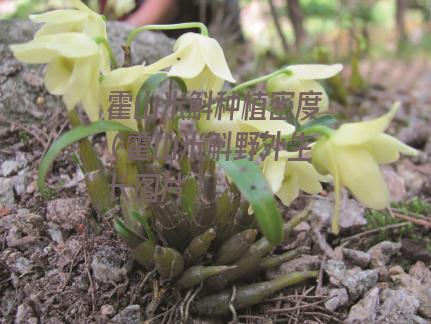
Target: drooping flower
x=81 y=19
x=73 y=67
x=129 y=80
x=302 y=79
x=119 y=8
x=352 y=155
x=198 y=60
x=286 y=177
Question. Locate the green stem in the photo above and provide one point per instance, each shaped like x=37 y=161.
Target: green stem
x=105 y=43
x=319 y=129
x=135 y=32
x=97 y=183
x=260 y=79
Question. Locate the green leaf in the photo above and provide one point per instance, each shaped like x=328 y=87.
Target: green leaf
x=142 y=220
x=325 y=120
x=150 y=85
x=189 y=195
x=69 y=138
x=252 y=183
x=132 y=238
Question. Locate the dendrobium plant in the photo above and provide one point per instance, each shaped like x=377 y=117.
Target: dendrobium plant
x=175 y=235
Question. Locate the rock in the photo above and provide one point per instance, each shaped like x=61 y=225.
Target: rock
x=129 y=315
x=25 y=314
x=359 y=282
x=338 y=297
x=67 y=213
x=416 y=134
x=417 y=289
x=147 y=47
x=107 y=310
x=381 y=253
x=413 y=179
x=17 y=263
x=414 y=250
x=106 y=265
x=336 y=270
x=302 y=227
x=56 y=235
x=360 y=258
x=396 y=184
x=22 y=228
x=7 y=198
x=351 y=212
x=304 y=263
x=10 y=167
x=20 y=182
x=365 y=311
x=421 y=272
x=398 y=306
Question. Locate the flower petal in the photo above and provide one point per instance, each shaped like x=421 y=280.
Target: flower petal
x=58 y=75
x=60 y=16
x=79 y=82
x=315 y=71
x=90 y=102
x=319 y=156
x=361 y=175
x=385 y=148
x=360 y=132
x=204 y=81
x=33 y=52
x=189 y=63
x=51 y=29
x=214 y=58
x=293 y=84
x=274 y=172
x=124 y=76
x=308 y=178
x=289 y=190
x=80 y=6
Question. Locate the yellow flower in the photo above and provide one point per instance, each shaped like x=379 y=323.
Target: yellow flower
x=352 y=155
x=237 y=124
x=198 y=60
x=128 y=79
x=286 y=177
x=120 y=7
x=73 y=67
x=303 y=79
x=79 y=20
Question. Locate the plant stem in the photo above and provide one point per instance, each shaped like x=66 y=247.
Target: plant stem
x=105 y=43
x=135 y=32
x=97 y=183
x=260 y=79
x=320 y=129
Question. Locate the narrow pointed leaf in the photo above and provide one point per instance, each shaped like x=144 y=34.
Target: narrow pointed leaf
x=252 y=183
x=142 y=220
x=132 y=238
x=69 y=138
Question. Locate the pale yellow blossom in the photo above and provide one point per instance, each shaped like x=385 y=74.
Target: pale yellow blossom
x=352 y=155
x=302 y=79
x=81 y=19
x=73 y=67
x=198 y=60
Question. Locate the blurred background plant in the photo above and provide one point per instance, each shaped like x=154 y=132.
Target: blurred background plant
x=287 y=28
